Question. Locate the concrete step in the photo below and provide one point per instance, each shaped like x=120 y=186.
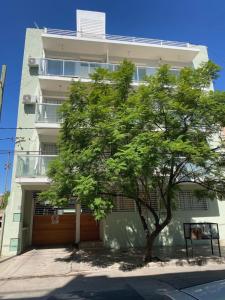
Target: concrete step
x=91 y=245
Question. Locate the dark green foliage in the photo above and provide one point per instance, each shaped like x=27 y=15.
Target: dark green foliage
x=119 y=139
x=5 y=199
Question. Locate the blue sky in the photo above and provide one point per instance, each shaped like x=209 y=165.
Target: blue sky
x=194 y=21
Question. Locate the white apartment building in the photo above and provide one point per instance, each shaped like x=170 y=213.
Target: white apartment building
x=53 y=59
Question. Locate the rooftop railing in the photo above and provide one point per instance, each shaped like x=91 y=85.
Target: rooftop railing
x=118 y=38
x=33 y=165
x=83 y=69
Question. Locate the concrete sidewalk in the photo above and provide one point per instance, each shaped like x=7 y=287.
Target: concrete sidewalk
x=67 y=261
x=62 y=273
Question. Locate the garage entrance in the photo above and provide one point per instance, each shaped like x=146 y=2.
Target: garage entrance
x=57 y=226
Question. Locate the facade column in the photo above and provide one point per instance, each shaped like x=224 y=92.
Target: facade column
x=78 y=211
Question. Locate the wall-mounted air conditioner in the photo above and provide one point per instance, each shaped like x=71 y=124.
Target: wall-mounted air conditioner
x=29 y=99
x=33 y=62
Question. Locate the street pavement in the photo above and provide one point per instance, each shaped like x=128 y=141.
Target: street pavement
x=55 y=274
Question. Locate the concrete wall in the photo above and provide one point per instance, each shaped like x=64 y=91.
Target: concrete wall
x=124 y=229
x=12 y=241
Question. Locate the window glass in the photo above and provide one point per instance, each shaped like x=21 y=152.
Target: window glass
x=69 y=68
x=188 y=201
x=135 y=76
x=150 y=71
x=94 y=66
x=141 y=73
x=84 y=70
x=49 y=149
x=54 y=67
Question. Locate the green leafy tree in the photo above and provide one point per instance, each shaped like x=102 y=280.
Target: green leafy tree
x=4 y=201
x=120 y=139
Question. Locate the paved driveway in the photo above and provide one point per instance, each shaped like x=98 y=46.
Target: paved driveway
x=61 y=273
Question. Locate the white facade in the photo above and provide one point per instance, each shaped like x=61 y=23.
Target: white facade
x=52 y=60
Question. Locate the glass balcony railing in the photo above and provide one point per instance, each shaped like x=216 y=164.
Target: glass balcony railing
x=33 y=165
x=82 y=69
x=48 y=113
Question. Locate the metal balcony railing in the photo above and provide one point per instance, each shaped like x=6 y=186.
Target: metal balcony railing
x=48 y=113
x=33 y=165
x=83 y=69
x=118 y=38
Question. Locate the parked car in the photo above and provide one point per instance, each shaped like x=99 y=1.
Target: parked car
x=208 y=291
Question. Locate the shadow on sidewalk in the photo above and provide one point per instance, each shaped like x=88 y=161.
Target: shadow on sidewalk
x=128 y=260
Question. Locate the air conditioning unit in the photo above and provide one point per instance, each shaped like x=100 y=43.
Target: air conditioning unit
x=29 y=99
x=33 y=62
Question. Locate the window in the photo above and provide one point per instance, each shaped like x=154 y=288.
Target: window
x=123 y=204
x=16 y=217
x=54 y=67
x=42 y=209
x=84 y=70
x=141 y=73
x=52 y=101
x=188 y=201
x=69 y=68
x=151 y=71
x=95 y=66
x=13 y=245
x=49 y=149
x=154 y=199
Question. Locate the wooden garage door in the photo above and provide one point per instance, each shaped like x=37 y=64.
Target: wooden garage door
x=61 y=229
x=53 y=230
x=89 y=228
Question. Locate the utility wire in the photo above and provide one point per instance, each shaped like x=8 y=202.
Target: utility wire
x=7 y=168
x=3 y=139
x=5 y=151
x=14 y=128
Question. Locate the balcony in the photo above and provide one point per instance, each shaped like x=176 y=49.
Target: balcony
x=47 y=118
x=56 y=75
x=48 y=113
x=117 y=46
x=83 y=69
x=32 y=169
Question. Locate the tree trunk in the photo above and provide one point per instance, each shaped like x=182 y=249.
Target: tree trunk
x=150 y=239
x=151 y=236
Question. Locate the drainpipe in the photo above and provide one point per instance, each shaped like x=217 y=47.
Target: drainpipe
x=78 y=211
